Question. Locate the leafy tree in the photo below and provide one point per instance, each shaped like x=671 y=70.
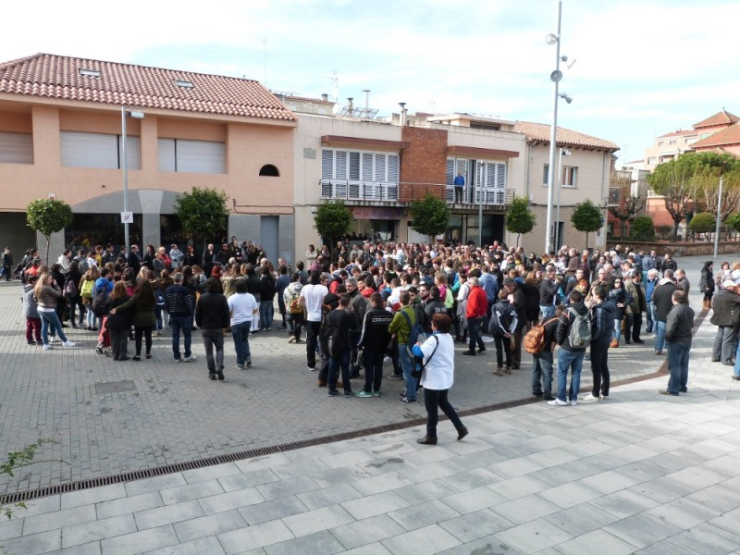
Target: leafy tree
x=629 y=203
x=332 y=220
x=431 y=216
x=202 y=212
x=519 y=218
x=663 y=230
x=733 y=220
x=47 y=216
x=703 y=222
x=642 y=229
x=587 y=217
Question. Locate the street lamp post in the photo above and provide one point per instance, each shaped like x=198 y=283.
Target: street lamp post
x=555 y=77
x=719 y=217
x=558 y=239
x=124 y=162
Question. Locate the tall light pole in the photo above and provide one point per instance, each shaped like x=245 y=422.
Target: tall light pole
x=563 y=152
x=555 y=77
x=124 y=163
x=719 y=217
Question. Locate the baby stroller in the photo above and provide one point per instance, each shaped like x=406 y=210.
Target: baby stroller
x=103 y=347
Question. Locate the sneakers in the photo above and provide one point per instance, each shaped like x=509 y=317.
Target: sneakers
x=187 y=359
x=348 y=394
x=249 y=361
x=68 y=344
x=469 y=353
x=311 y=368
x=407 y=400
x=30 y=343
x=573 y=402
x=395 y=376
x=363 y=395
x=332 y=393
x=558 y=403
x=48 y=347
x=376 y=393
x=240 y=366
x=590 y=398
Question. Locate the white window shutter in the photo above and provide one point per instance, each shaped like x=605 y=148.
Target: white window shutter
x=16 y=148
x=89 y=150
x=501 y=176
x=354 y=166
x=380 y=167
x=367 y=166
x=327 y=164
x=200 y=157
x=393 y=171
x=133 y=152
x=340 y=171
x=450 y=171
x=166 y=155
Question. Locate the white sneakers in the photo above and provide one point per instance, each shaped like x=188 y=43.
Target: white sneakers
x=188 y=359
x=69 y=344
x=48 y=347
x=558 y=403
x=590 y=398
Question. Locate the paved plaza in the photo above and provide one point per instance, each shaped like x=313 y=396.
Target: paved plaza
x=640 y=473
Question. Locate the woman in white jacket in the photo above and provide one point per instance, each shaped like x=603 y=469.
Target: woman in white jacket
x=438 y=352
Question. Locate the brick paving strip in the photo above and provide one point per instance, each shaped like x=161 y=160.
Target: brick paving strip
x=173 y=418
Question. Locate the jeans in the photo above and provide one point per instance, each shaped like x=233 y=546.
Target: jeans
x=213 y=338
x=433 y=399
x=373 y=370
x=312 y=340
x=503 y=347
x=736 y=368
x=50 y=319
x=92 y=320
x=184 y=323
x=542 y=374
x=296 y=322
x=354 y=356
x=678 y=367
x=659 y=335
x=650 y=315
x=5 y=271
x=267 y=312
x=617 y=330
x=411 y=382
x=458 y=194
x=569 y=359
x=343 y=362
x=146 y=331
x=474 y=333
x=548 y=311
x=240 y=333
x=72 y=306
x=600 y=368
x=725 y=344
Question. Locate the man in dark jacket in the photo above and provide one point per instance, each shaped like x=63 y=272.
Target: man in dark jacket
x=374 y=340
x=726 y=316
x=678 y=336
x=662 y=295
x=516 y=297
x=339 y=347
x=542 y=361
x=602 y=326
x=570 y=356
x=212 y=317
x=134 y=260
x=179 y=304
x=548 y=292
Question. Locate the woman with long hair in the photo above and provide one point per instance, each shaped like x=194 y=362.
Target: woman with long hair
x=706 y=283
x=618 y=295
x=87 y=290
x=119 y=322
x=144 y=304
x=47 y=292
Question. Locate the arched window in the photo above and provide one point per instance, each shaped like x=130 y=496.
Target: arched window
x=269 y=170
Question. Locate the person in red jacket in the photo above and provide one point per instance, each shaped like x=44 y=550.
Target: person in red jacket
x=475 y=314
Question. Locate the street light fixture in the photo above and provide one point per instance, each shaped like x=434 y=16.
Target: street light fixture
x=555 y=77
x=125 y=214
x=558 y=238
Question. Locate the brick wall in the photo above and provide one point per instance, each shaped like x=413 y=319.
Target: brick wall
x=423 y=163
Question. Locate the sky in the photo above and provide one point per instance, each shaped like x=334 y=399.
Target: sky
x=636 y=68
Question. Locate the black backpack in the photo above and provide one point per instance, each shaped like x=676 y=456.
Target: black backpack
x=101 y=304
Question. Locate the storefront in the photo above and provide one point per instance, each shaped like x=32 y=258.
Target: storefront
x=376 y=223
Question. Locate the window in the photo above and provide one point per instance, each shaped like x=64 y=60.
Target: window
x=672 y=142
x=691 y=141
x=568 y=178
x=455 y=166
x=354 y=165
x=491 y=175
x=660 y=143
x=184 y=83
x=16 y=148
x=98 y=150
x=651 y=161
x=269 y=170
x=89 y=72
x=180 y=155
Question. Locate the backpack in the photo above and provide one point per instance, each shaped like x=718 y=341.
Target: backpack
x=70 y=290
x=294 y=304
x=534 y=340
x=87 y=289
x=418 y=368
x=500 y=318
x=159 y=298
x=417 y=332
x=100 y=303
x=579 y=332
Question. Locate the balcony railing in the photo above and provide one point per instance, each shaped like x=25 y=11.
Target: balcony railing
x=359 y=190
x=477 y=195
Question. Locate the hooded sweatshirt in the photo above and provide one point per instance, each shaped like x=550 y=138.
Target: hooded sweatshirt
x=566 y=320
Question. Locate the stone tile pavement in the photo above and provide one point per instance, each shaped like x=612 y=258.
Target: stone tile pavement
x=640 y=473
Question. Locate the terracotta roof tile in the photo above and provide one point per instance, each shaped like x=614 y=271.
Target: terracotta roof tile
x=720 y=118
x=51 y=76
x=727 y=136
x=540 y=132
x=679 y=133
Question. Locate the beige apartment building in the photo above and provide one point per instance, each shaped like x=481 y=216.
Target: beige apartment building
x=61 y=135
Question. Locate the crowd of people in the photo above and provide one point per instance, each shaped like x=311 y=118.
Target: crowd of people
x=364 y=304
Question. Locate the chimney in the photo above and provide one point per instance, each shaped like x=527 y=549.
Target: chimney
x=367 y=100
x=404 y=112
x=350 y=105
x=325 y=97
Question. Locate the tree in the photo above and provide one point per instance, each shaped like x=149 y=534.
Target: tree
x=47 y=216
x=332 y=220
x=202 y=212
x=704 y=222
x=642 y=229
x=519 y=218
x=431 y=216
x=587 y=217
x=630 y=201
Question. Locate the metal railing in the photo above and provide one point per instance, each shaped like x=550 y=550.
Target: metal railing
x=480 y=195
x=359 y=190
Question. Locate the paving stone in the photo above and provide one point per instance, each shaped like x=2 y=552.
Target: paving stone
x=532 y=536
x=203 y=546
x=706 y=539
x=364 y=532
x=210 y=525
x=138 y=542
x=34 y=543
x=607 y=544
x=373 y=505
x=238 y=541
x=154 y=484
x=624 y=503
x=86 y=549
x=179 y=494
x=39 y=506
x=376 y=548
x=286 y=488
x=525 y=509
x=227 y=501
x=379 y=484
x=11 y=528
x=328 y=496
x=642 y=530
x=107 y=509
x=423 y=541
x=320 y=543
x=210 y=473
x=92 y=495
x=169 y=514
x=309 y=522
x=79 y=534
x=272 y=510
x=55 y=521
x=475 y=525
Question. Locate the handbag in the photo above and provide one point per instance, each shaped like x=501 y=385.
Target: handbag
x=419 y=365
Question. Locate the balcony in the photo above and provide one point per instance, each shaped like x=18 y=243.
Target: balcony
x=371 y=191
x=473 y=196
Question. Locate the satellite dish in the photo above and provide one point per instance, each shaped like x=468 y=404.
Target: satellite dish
x=556 y=76
x=336 y=108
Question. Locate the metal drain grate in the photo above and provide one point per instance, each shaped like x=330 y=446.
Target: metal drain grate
x=282 y=448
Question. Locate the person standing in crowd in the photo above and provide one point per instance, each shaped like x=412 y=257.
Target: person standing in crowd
x=295 y=316
x=549 y=292
x=662 y=299
x=542 y=361
x=706 y=284
x=682 y=283
x=7 y=264
x=678 y=328
x=570 y=357
x=340 y=323
x=475 y=313
x=267 y=299
x=502 y=325
x=357 y=308
x=312 y=297
x=180 y=308
x=244 y=310
x=438 y=352
x=650 y=283
x=602 y=319
x=176 y=257
x=281 y=284
x=134 y=260
x=46 y=292
x=119 y=322
x=633 y=286
x=618 y=295
x=403 y=320
x=374 y=339
x=212 y=316
x=726 y=316
x=518 y=303
x=31 y=312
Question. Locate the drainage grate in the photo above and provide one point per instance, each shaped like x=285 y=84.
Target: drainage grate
x=263 y=451
x=115 y=387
